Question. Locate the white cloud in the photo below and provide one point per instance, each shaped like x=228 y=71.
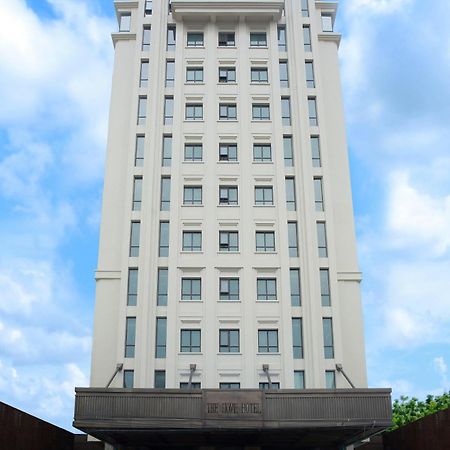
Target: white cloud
x=442 y=370
x=367 y=7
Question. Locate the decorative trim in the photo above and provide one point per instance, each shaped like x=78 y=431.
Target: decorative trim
x=330 y=37
x=122 y=36
x=108 y=275
x=349 y=276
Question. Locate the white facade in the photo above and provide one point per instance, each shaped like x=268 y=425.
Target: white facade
x=135 y=193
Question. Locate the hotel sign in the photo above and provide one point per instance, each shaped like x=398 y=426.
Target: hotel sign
x=233 y=405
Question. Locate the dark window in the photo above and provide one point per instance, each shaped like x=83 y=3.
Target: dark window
x=229 y=385
x=194 y=39
x=229 y=341
x=265 y=385
x=192 y=195
x=194 y=385
x=290 y=194
x=132 y=287
x=297 y=338
x=282 y=39
x=193 y=152
x=128 y=379
x=167 y=151
x=160 y=379
x=258 y=39
x=295 y=287
x=191 y=289
x=227 y=152
x=130 y=337
x=228 y=195
x=161 y=337
x=288 y=151
x=263 y=195
x=285 y=111
x=194 y=111
x=192 y=241
x=328 y=345
x=226 y=39
x=299 y=379
x=165 y=194
x=227 y=74
x=265 y=241
x=309 y=69
x=325 y=287
x=262 y=152
x=293 y=239
x=229 y=289
x=164 y=239
x=171 y=38
x=259 y=75
x=228 y=241
x=163 y=274
x=268 y=341
x=148 y=7
x=266 y=288
x=260 y=112
x=170 y=73
x=190 y=341
x=315 y=151
x=284 y=77
x=194 y=74
x=227 y=111
x=134 y=238
x=322 y=239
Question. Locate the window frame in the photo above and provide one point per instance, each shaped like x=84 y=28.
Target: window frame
x=258 y=43
x=125 y=22
x=190 y=347
x=132 y=286
x=194 y=146
x=193 y=200
x=228 y=199
x=191 y=289
x=284 y=82
x=261 y=111
x=170 y=82
x=192 y=235
x=224 y=74
x=227 y=342
x=195 y=70
x=161 y=337
x=259 y=71
x=267 y=347
x=135 y=237
x=163 y=243
x=197 y=110
x=196 y=43
x=164 y=204
x=266 y=191
x=262 y=153
x=225 y=42
x=229 y=294
x=265 y=248
x=231 y=243
x=266 y=289
x=228 y=111
x=227 y=146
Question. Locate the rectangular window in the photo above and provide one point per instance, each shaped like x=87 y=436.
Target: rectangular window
x=163 y=279
x=194 y=39
x=293 y=239
x=309 y=69
x=192 y=195
x=166 y=160
x=142 y=110
x=260 y=112
x=228 y=241
x=168 y=110
x=325 y=287
x=226 y=39
x=322 y=239
x=193 y=152
x=139 y=151
x=194 y=74
x=137 y=194
x=128 y=379
x=185 y=385
x=160 y=379
x=266 y=289
x=227 y=74
x=318 y=194
x=228 y=195
x=229 y=341
x=170 y=73
x=171 y=38
x=328 y=345
x=288 y=151
x=132 y=287
x=191 y=289
x=192 y=241
x=312 y=110
x=163 y=239
x=259 y=75
x=125 y=22
x=229 y=385
x=146 y=38
x=305 y=8
x=262 y=152
x=286 y=111
x=330 y=379
x=194 y=111
x=265 y=385
x=284 y=77
x=148 y=7
x=130 y=337
x=143 y=80
x=299 y=379
x=290 y=194
x=190 y=341
x=297 y=338
x=165 y=194
x=134 y=238
x=227 y=152
x=327 y=23
x=315 y=151
x=265 y=241
x=267 y=341
x=161 y=337
x=227 y=111
x=295 y=287
x=258 y=39
x=307 y=38
x=229 y=289
x=282 y=47
x=263 y=196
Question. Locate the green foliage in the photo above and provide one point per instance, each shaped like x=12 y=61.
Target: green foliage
x=408 y=410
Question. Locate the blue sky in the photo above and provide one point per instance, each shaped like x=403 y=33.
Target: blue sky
x=55 y=69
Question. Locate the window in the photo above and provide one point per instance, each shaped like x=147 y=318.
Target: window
x=194 y=39
x=322 y=239
x=143 y=80
x=299 y=379
x=327 y=23
x=165 y=194
x=163 y=275
x=148 y=7
x=227 y=74
x=258 y=39
x=192 y=241
x=185 y=385
x=192 y=195
x=228 y=195
x=164 y=239
x=229 y=341
x=265 y=385
x=293 y=239
x=265 y=241
x=325 y=287
x=226 y=39
x=125 y=22
x=260 y=112
x=137 y=194
x=282 y=39
x=268 y=341
x=132 y=287
x=228 y=241
x=190 y=341
x=229 y=385
x=266 y=289
x=194 y=74
x=134 y=238
x=160 y=379
x=130 y=337
x=309 y=70
x=193 y=152
x=284 y=78
x=312 y=109
x=262 y=152
x=171 y=38
x=307 y=38
x=227 y=111
x=297 y=338
x=318 y=194
x=191 y=289
x=167 y=151
x=161 y=337
x=294 y=275
x=142 y=110
x=227 y=152
x=229 y=289
x=168 y=110
x=146 y=37
x=259 y=75
x=288 y=151
x=290 y=194
x=194 y=111
x=328 y=346
x=128 y=379
x=170 y=73
x=139 y=151
x=263 y=195
x=330 y=379
x=286 y=111
x=315 y=151
x=305 y=8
